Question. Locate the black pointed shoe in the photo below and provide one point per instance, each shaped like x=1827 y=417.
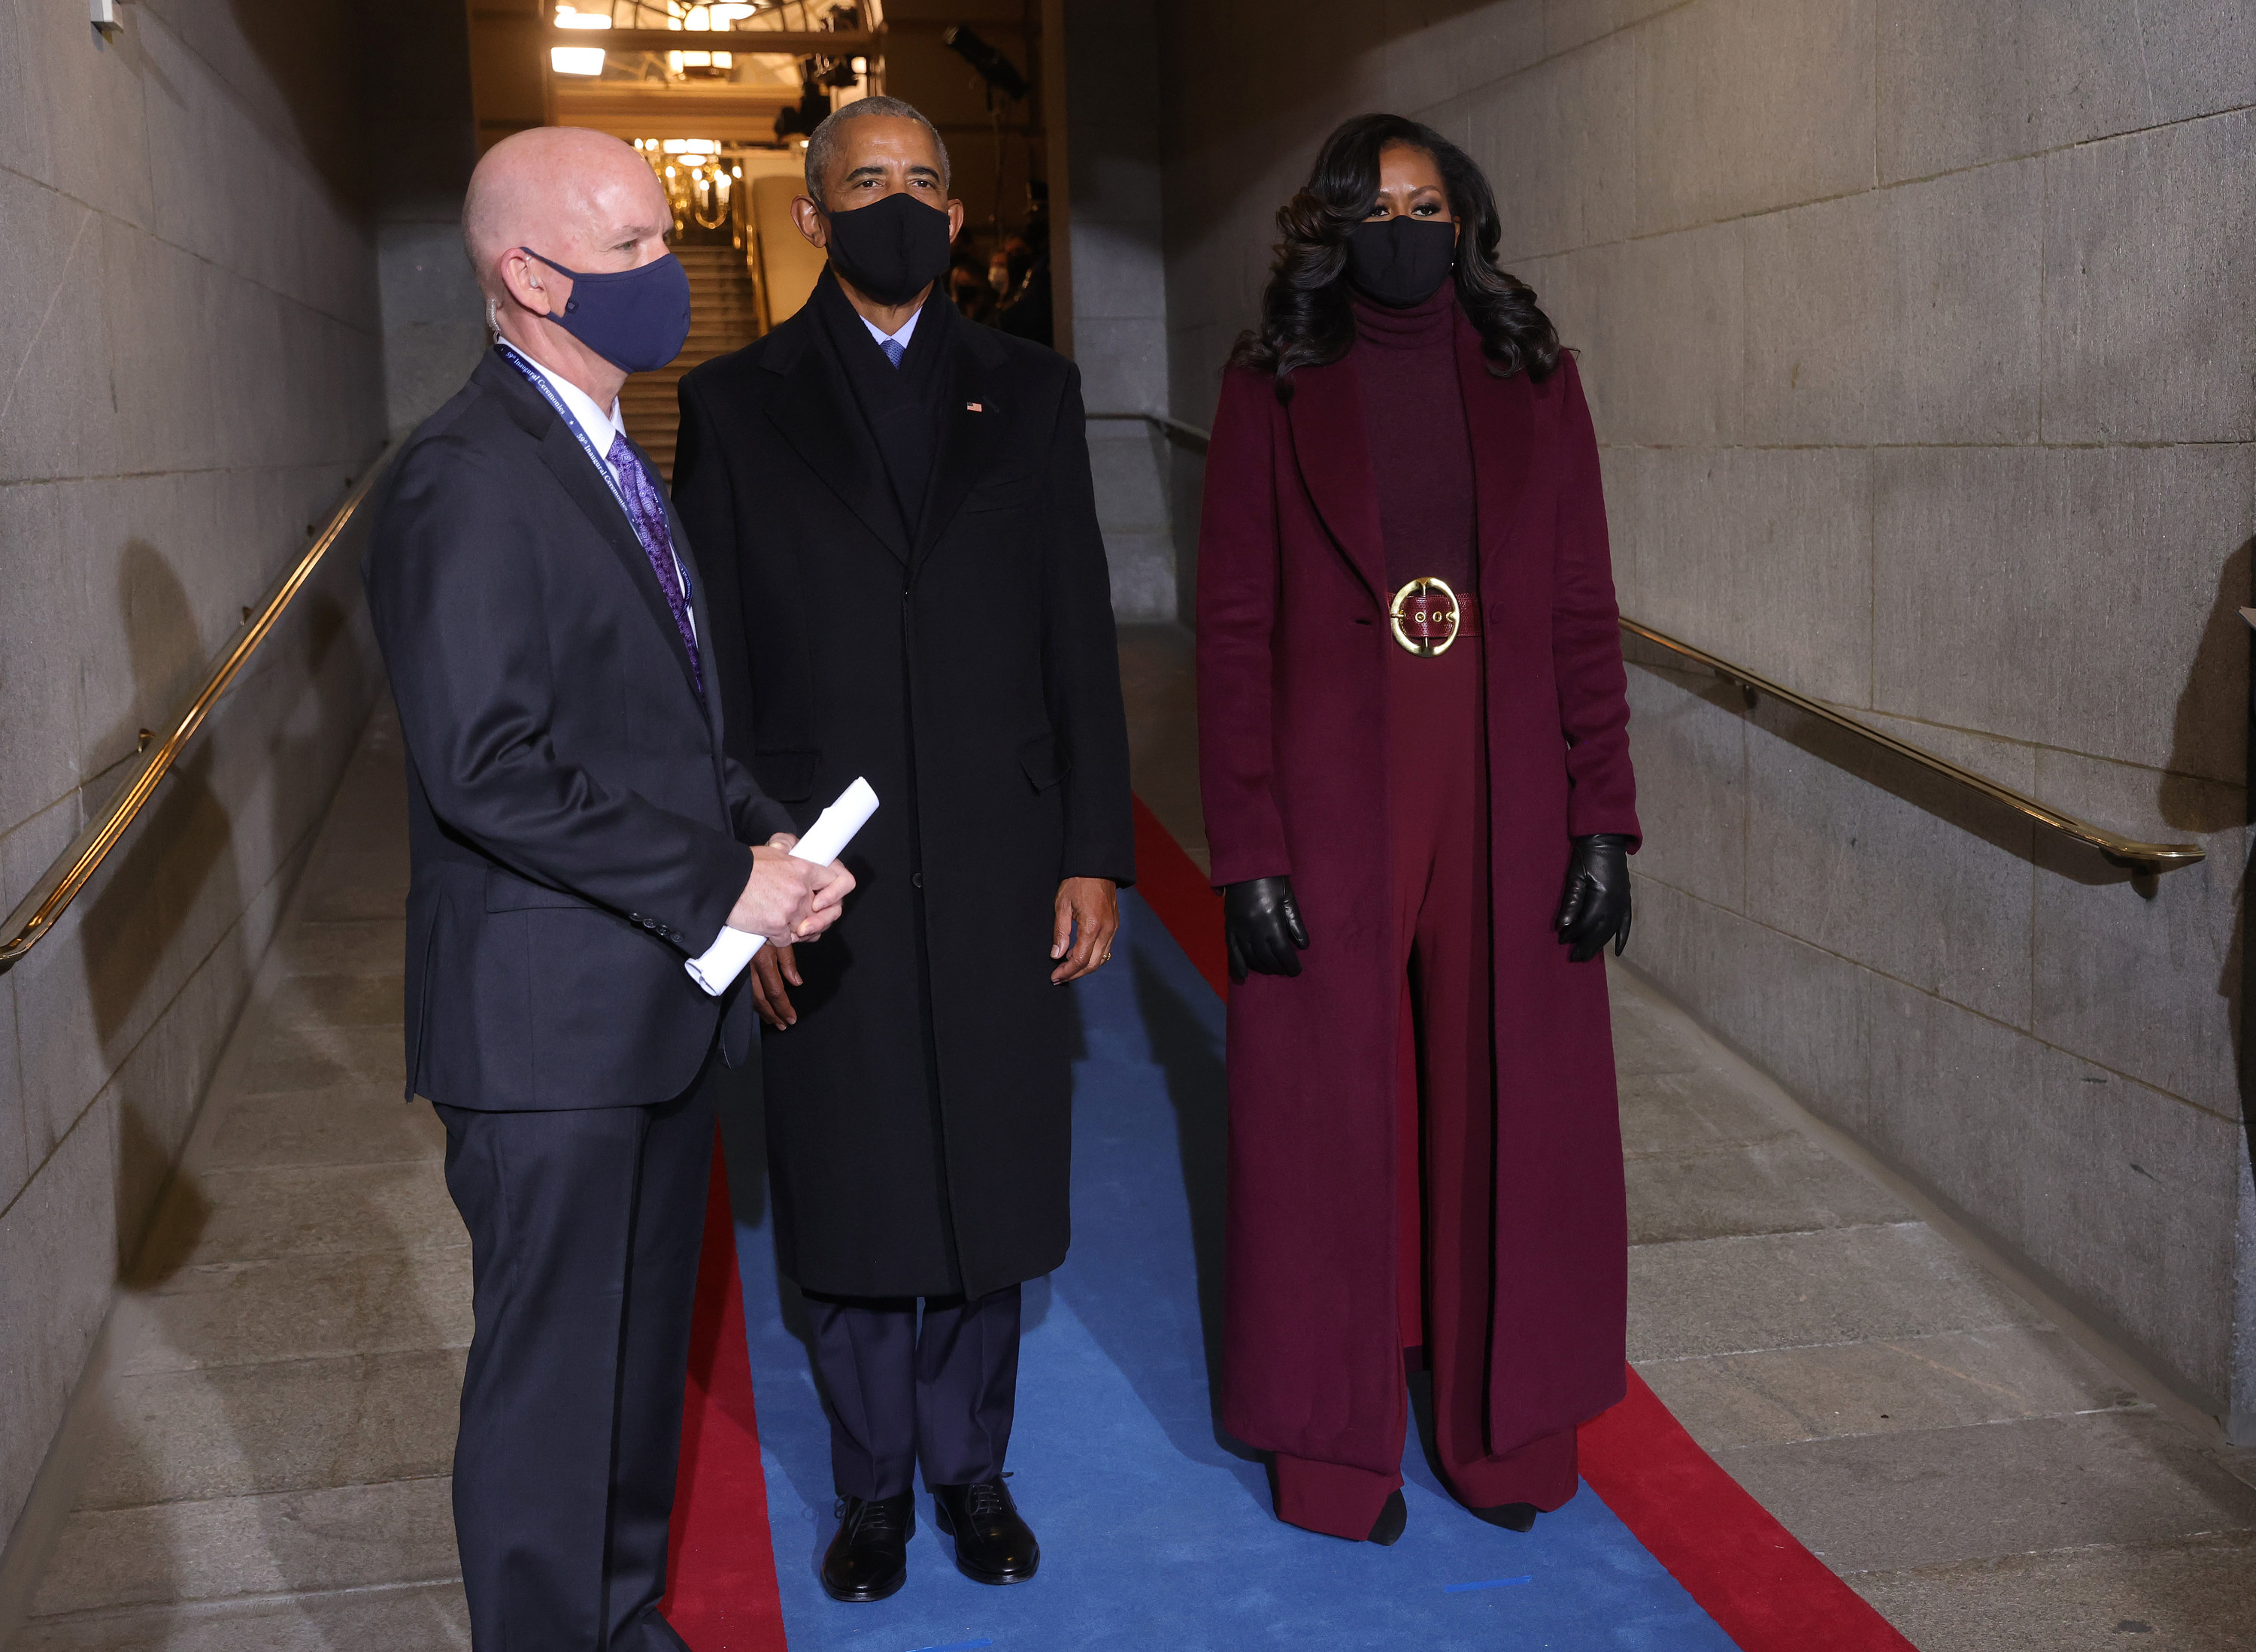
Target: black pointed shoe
x=1394 y=1519
x=869 y=1558
x=992 y=1545
x=1511 y=1516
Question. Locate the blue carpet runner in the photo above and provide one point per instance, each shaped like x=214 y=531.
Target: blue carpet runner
x=1156 y=1528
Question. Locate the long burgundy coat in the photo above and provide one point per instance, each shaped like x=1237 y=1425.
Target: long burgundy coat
x=1292 y=650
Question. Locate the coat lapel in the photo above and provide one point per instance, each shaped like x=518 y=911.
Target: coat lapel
x=1334 y=452
x=1499 y=413
x=567 y=462
x=700 y=615
x=806 y=400
x=971 y=427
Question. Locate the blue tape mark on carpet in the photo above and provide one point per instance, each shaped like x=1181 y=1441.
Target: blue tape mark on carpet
x=1494 y=1583
x=1155 y=1527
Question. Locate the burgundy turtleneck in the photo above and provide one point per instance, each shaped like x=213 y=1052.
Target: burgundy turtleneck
x=1422 y=453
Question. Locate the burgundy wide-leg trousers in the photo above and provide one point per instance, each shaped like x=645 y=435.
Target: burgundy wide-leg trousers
x=1444 y=1106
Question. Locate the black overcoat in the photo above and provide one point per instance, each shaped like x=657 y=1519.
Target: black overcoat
x=919 y=1115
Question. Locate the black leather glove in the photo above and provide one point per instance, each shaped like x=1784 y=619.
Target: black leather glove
x=1261 y=922
x=1594 y=909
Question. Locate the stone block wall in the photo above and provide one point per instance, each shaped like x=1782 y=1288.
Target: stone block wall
x=1119 y=296
x=192 y=365
x=1921 y=343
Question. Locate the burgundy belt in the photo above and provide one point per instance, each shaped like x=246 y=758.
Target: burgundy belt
x=1426 y=617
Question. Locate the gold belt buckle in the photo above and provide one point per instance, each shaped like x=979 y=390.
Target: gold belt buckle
x=1419 y=612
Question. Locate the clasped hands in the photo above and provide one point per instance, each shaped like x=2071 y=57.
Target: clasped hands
x=1262 y=927
x=787 y=899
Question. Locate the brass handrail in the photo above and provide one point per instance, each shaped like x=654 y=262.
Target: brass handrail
x=2124 y=852
x=1190 y=435
x=40 y=911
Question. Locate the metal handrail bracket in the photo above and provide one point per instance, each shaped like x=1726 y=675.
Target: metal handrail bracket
x=38 y=913
x=2124 y=852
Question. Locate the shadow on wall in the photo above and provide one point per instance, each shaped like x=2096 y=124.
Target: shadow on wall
x=2214 y=700
x=2213 y=709
x=310 y=52
x=1317 y=49
x=161 y=992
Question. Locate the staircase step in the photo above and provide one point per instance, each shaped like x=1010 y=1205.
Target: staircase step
x=724 y=317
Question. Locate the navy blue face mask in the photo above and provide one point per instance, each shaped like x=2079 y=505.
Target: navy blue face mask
x=636 y=320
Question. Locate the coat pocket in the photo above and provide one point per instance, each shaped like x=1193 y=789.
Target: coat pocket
x=1044 y=761
x=506 y=891
x=788 y=777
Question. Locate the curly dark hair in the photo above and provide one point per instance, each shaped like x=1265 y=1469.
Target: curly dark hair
x=1306 y=321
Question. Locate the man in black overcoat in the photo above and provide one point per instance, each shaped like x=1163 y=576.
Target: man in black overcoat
x=908 y=583
x=575 y=834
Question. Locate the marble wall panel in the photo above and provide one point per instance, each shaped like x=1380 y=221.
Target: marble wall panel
x=1960 y=538
x=57 y=1258
x=158 y=378
x=75 y=117
x=1124 y=462
x=15 y=1161
x=1899 y=315
x=1689 y=755
x=1744 y=106
x=434 y=320
x=1801 y=1014
x=1762 y=557
x=39 y=679
x=1662 y=358
x=2123 y=1195
x=2200 y=56
x=55 y=410
x=1118 y=271
x=1126 y=358
x=1446 y=55
x=2150 y=296
x=1960 y=86
x=1877 y=859
x=2145 y=979
x=1984 y=617
x=1568 y=24
x=1558 y=143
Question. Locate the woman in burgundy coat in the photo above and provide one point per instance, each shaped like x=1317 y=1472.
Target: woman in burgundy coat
x=1414 y=745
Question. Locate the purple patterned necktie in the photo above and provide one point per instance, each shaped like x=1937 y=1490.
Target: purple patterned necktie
x=647 y=512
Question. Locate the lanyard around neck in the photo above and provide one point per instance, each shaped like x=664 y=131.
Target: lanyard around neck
x=538 y=380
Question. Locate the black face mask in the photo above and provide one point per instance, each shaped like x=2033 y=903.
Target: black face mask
x=1400 y=261
x=892 y=249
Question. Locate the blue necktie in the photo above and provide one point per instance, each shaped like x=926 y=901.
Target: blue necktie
x=647 y=512
x=894 y=351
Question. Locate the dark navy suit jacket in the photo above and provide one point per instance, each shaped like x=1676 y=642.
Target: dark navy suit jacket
x=575 y=829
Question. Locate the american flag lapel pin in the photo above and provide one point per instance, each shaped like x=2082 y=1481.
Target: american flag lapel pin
x=973 y=406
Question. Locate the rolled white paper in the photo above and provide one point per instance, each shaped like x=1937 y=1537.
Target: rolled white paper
x=825 y=841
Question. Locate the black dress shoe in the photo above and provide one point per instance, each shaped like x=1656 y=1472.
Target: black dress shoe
x=992 y=1545
x=869 y=1558
x=1394 y=1519
x=1511 y=1516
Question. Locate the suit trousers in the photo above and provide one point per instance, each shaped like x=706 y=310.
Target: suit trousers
x=1443 y=1108
x=585 y=1229
x=900 y=1391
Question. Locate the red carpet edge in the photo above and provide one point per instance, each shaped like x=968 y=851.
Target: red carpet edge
x=721 y=1592
x=1762 y=1587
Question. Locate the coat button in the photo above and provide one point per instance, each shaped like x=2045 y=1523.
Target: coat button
x=917 y=878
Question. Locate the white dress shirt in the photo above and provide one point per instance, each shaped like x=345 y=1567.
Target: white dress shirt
x=604 y=429
x=900 y=338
